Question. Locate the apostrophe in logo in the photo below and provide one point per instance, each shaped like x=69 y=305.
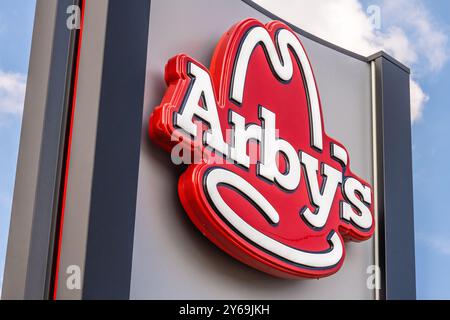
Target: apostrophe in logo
x=272 y=189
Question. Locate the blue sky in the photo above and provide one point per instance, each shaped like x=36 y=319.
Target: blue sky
x=16 y=24
x=414 y=31
x=431 y=154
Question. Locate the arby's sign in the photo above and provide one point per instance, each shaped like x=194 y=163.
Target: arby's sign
x=270 y=187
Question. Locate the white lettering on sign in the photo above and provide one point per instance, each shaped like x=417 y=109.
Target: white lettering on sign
x=354 y=210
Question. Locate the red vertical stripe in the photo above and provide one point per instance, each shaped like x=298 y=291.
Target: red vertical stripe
x=60 y=227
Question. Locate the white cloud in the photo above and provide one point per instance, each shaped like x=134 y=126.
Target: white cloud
x=411 y=37
x=430 y=42
x=395 y=41
x=342 y=22
x=437 y=243
x=12 y=93
x=418 y=101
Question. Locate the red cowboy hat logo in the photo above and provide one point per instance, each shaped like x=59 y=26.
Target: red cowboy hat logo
x=271 y=188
